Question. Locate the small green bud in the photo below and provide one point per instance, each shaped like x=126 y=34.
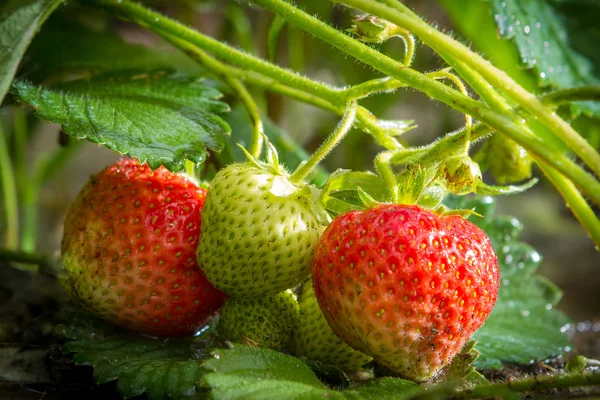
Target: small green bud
x=461 y=174
x=507 y=160
x=371 y=29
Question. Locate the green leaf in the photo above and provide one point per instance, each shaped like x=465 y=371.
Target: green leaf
x=160 y=368
x=19 y=22
x=254 y=373
x=65 y=47
x=79 y=325
x=523 y=326
x=156 y=118
x=461 y=370
x=558 y=39
x=341 y=191
x=291 y=154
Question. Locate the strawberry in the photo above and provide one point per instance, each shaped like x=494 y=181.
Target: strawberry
x=405 y=285
x=315 y=340
x=259 y=231
x=265 y=321
x=129 y=250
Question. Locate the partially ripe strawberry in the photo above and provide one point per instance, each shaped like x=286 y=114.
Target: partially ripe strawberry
x=129 y=247
x=259 y=231
x=405 y=285
x=264 y=321
x=315 y=340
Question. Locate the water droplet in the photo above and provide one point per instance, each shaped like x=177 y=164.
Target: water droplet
x=503 y=4
x=505 y=282
x=505 y=249
x=508 y=259
x=527 y=29
x=568 y=348
x=548 y=306
x=517 y=22
x=525 y=313
x=565 y=328
x=9 y=49
x=497 y=17
x=538 y=25
x=596 y=327
x=520 y=265
x=542 y=75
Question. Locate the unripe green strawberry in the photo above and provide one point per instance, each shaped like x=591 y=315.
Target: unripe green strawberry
x=258 y=232
x=405 y=285
x=129 y=247
x=315 y=340
x=265 y=321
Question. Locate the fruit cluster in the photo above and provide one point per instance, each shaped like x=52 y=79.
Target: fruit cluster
x=397 y=283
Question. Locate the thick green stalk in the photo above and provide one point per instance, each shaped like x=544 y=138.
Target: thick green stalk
x=159 y=24
x=399 y=14
x=436 y=90
x=9 y=194
x=564 y=96
x=576 y=203
x=333 y=140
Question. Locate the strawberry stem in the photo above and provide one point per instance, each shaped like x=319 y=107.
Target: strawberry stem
x=336 y=136
x=383 y=167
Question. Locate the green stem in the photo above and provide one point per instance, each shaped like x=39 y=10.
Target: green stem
x=565 y=96
x=22 y=257
x=336 y=136
x=9 y=194
x=435 y=89
x=383 y=167
x=576 y=203
x=533 y=384
x=161 y=24
x=401 y=15
x=224 y=73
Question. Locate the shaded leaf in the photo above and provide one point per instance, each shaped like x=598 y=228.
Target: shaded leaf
x=160 y=368
x=66 y=47
x=159 y=119
x=19 y=22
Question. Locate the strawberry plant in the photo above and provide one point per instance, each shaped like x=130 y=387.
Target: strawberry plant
x=247 y=245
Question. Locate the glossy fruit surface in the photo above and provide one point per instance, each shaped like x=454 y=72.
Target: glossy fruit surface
x=265 y=321
x=405 y=285
x=315 y=340
x=256 y=241
x=129 y=246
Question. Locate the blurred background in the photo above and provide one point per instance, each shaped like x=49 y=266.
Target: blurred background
x=570 y=259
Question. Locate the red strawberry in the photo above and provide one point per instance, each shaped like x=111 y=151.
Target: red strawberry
x=405 y=285
x=129 y=248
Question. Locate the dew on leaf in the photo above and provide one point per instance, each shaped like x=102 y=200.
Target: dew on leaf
x=548 y=306
x=543 y=75
x=538 y=25
x=565 y=328
x=526 y=29
x=525 y=313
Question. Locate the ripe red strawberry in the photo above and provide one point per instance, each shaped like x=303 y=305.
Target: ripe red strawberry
x=129 y=248
x=405 y=285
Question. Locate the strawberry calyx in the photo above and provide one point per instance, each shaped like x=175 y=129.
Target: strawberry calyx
x=282 y=186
